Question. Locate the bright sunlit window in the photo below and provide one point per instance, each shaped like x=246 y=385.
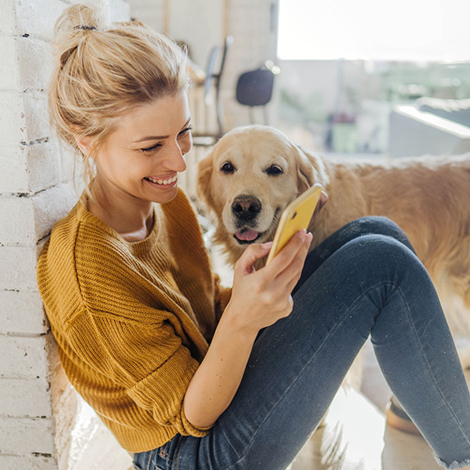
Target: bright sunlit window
x=418 y=30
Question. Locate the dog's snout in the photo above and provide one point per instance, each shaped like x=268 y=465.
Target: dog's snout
x=246 y=207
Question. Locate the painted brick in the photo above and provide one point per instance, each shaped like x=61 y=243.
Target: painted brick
x=28 y=61
x=51 y=205
x=13 y=172
x=29 y=168
x=35 y=63
x=25 y=398
x=38 y=215
x=23 y=357
x=37 y=123
x=44 y=166
x=18 y=268
x=12 y=118
x=10 y=63
x=26 y=435
x=25 y=122
x=21 y=313
x=37 y=17
x=15 y=229
x=7 y=18
x=29 y=462
x=65 y=418
x=65 y=404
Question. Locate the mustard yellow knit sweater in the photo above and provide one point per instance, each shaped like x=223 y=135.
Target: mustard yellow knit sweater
x=132 y=320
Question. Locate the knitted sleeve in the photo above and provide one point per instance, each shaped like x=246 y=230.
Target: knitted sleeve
x=148 y=360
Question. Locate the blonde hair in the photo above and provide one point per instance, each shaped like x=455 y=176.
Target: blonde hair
x=102 y=71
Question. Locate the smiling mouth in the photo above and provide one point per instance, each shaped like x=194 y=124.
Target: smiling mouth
x=159 y=182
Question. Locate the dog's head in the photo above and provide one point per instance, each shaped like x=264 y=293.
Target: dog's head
x=248 y=179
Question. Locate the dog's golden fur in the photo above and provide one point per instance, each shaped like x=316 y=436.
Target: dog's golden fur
x=429 y=198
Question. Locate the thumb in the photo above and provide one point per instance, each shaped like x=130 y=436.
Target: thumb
x=252 y=254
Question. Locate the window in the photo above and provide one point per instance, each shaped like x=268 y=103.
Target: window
x=415 y=30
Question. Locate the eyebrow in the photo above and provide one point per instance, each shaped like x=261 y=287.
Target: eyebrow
x=158 y=137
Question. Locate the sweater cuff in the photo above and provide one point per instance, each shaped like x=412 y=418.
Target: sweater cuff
x=162 y=392
x=193 y=430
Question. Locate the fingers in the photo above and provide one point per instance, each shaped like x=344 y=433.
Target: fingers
x=289 y=252
x=252 y=254
x=289 y=277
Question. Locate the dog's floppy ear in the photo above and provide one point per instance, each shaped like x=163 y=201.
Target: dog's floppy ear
x=305 y=171
x=203 y=184
x=310 y=170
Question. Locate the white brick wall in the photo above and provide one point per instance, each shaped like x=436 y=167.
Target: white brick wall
x=37 y=403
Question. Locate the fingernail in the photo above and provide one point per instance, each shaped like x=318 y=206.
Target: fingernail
x=266 y=245
x=302 y=234
x=309 y=237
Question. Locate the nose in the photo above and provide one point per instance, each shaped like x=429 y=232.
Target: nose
x=246 y=208
x=175 y=160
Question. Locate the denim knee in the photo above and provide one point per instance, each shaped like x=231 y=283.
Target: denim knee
x=358 y=228
x=378 y=225
x=383 y=258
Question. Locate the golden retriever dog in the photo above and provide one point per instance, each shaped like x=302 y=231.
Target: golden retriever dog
x=253 y=172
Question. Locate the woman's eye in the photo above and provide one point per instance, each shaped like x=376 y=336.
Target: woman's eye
x=227 y=168
x=151 y=149
x=185 y=131
x=274 y=170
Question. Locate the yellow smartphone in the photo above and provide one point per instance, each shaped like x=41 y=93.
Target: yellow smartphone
x=296 y=216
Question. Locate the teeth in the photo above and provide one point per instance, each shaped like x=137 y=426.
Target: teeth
x=164 y=182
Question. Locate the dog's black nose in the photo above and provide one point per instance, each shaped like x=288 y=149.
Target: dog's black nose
x=246 y=207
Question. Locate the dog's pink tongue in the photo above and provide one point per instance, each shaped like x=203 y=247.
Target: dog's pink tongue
x=247 y=235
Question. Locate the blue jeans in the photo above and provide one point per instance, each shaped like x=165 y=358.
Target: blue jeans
x=363 y=280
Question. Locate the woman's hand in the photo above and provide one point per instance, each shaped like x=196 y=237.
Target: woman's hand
x=260 y=298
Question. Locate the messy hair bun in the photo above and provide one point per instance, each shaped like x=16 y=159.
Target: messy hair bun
x=104 y=69
x=76 y=22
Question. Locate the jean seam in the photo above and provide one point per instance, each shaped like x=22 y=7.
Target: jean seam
x=163 y=451
x=332 y=331
x=428 y=366
x=177 y=453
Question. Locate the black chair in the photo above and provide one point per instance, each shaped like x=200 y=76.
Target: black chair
x=212 y=82
x=255 y=88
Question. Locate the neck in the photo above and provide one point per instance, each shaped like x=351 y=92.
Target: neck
x=133 y=220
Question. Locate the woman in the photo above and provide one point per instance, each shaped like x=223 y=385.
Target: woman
x=186 y=374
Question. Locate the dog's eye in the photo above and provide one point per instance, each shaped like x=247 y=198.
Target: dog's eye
x=274 y=170
x=227 y=168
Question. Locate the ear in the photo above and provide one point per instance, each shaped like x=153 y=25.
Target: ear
x=204 y=177
x=305 y=171
x=311 y=169
x=84 y=143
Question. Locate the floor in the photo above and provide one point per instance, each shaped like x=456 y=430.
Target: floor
x=353 y=435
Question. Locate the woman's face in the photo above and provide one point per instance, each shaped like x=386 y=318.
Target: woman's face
x=141 y=159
